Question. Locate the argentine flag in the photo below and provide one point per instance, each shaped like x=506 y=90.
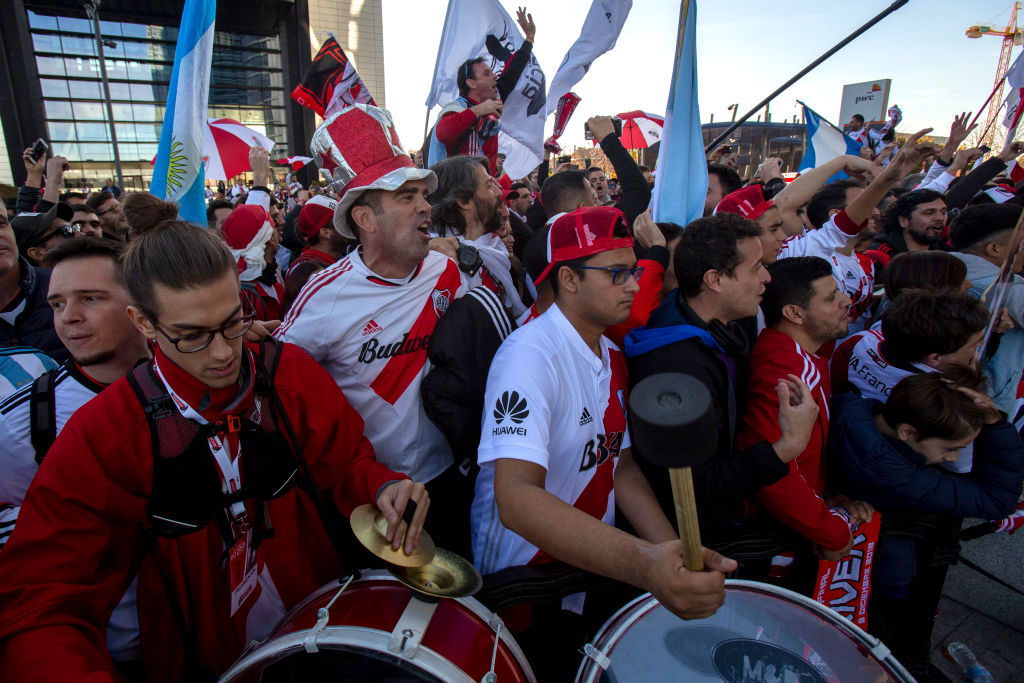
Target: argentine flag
x=178 y=172
x=824 y=141
x=681 y=181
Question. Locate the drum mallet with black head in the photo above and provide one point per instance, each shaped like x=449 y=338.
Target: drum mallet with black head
x=673 y=425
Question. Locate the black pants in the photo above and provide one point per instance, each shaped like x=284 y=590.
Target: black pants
x=451 y=495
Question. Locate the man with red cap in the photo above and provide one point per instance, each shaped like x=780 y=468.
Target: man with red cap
x=323 y=246
x=555 y=451
x=368 y=318
x=750 y=203
x=249 y=233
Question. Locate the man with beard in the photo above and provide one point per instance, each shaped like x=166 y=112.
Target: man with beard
x=88 y=298
x=465 y=205
x=804 y=309
x=915 y=222
x=108 y=210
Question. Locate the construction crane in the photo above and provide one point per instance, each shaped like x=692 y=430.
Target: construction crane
x=1011 y=36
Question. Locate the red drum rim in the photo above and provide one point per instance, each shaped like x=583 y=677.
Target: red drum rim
x=595 y=661
x=354 y=638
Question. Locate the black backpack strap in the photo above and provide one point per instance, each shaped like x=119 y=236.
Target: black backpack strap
x=43 y=413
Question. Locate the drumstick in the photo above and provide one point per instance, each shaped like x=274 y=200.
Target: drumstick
x=686 y=517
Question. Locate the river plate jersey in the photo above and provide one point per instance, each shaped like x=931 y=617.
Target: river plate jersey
x=551 y=401
x=372 y=335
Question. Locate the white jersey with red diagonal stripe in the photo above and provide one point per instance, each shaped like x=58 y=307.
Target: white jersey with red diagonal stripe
x=550 y=401
x=372 y=334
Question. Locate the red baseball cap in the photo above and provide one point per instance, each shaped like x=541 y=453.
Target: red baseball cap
x=316 y=214
x=748 y=202
x=585 y=232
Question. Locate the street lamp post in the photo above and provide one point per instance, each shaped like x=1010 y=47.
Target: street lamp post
x=91 y=8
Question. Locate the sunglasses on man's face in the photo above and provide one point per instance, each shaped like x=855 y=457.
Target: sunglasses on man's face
x=67 y=230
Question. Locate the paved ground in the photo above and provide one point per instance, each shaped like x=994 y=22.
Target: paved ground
x=985 y=615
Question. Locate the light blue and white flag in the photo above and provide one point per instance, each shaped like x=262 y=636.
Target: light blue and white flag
x=681 y=180
x=824 y=141
x=178 y=174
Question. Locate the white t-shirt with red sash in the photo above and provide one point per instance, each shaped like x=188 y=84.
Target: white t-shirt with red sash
x=551 y=401
x=372 y=335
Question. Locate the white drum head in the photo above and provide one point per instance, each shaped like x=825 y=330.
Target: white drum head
x=761 y=633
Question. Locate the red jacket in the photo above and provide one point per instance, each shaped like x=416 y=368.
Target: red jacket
x=795 y=500
x=451 y=130
x=651 y=283
x=82 y=534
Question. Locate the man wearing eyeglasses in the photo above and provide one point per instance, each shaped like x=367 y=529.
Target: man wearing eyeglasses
x=37 y=233
x=555 y=452
x=87 y=221
x=108 y=210
x=204 y=472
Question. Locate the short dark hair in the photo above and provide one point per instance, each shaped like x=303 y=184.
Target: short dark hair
x=976 y=224
x=563 y=191
x=728 y=178
x=669 y=230
x=211 y=210
x=710 y=244
x=904 y=206
x=369 y=198
x=935 y=408
x=84 y=208
x=98 y=198
x=456 y=181
x=920 y=323
x=591 y=169
x=644 y=168
x=466 y=71
x=518 y=185
x=176 y=255
x=86 y=247
x=925 y=270
x=792 y=283
x=832 y=196
x=859 y=117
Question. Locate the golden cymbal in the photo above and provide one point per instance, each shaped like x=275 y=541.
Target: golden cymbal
x=446 y=576
x=371 y=528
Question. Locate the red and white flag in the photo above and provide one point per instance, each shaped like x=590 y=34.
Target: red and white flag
x=331 y=83
x=226 y=146
x=295 y=162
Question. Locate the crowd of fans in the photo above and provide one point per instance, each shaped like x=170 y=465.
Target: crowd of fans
x=468 y=341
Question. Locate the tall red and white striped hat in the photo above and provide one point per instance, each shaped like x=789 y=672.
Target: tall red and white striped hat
x=357 y=150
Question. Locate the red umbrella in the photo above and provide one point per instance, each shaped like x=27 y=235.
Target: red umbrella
x=640 y=129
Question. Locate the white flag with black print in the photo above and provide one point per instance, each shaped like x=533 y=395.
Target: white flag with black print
x=482 y=28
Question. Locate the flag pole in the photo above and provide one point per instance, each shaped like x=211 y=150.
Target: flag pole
x=838 y=46
x=987 y=100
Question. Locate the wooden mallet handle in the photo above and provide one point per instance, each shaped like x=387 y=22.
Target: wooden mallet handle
x=686 y=517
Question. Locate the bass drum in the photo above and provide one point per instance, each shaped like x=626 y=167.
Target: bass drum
x=374 y=628
x=761 y=633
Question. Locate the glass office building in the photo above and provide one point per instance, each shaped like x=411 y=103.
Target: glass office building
x=246 y=85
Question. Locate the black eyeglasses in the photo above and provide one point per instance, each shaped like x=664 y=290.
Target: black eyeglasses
x=197 y=341
x=619 y=275
x=115 y=207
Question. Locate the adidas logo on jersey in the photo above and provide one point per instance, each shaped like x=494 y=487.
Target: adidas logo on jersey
x=585 y=418
x=371 y=328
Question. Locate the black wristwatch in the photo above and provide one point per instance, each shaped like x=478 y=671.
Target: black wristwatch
x=468 y=258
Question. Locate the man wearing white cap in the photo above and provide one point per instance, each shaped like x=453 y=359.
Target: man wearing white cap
x=369 y=317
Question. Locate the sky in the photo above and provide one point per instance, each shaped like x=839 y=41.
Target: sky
x=745 y=49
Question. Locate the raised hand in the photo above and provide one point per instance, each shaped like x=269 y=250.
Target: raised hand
x=526 y=23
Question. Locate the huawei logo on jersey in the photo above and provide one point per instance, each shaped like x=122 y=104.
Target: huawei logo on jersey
x=441 y=299
x=511 y=406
